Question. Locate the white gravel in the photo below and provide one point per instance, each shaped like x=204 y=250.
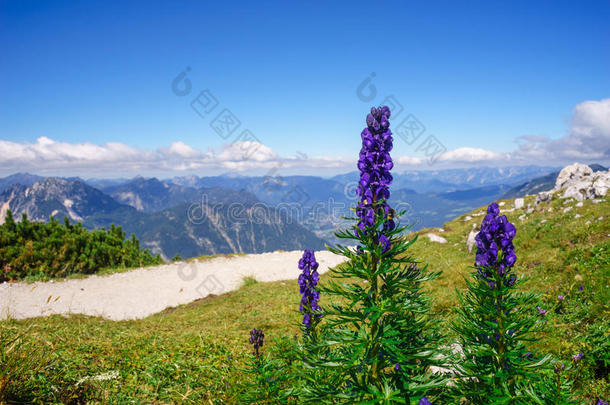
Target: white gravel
x=141 y=292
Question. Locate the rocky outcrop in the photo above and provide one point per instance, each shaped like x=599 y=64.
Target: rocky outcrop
x=578 y=181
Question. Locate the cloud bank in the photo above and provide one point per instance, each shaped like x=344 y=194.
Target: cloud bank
x=588 y=140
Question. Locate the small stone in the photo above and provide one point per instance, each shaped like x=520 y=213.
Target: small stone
x=588 y=223
x=467 y=218
x=550 y=209
x=519 y=202
x=501 y=203
x=576 y=216
x=600 y=218
x=436 y=238
x=441 y=230
x=579 y=204
x=522 y=217
x=567 y=209
x=578 y=277
x=543 y=221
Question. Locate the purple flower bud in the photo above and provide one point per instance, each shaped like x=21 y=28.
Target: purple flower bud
x=559 y=367
x=257 y=338
x=541 y=311
x=397 y=366
x=308 y=280
x=577 y=357
x=581 y=288
x=560 y=297
x=424 y=401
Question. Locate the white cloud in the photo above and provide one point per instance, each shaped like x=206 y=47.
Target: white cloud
x=180 y=149
x=49 y=156
x=588 y=138
x=469 y=155
x=408 y=160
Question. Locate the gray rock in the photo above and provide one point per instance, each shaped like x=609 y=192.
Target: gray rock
x=436 y=238
x=519 y=202
x=579 y=204
x=543 y=197
x=578 y=181
x=567 y=209
x=470 y=242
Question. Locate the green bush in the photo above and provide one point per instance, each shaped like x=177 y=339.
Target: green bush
x=37 y=249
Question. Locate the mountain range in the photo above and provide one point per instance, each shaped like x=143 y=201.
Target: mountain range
x=217 y=221
x=191 y=215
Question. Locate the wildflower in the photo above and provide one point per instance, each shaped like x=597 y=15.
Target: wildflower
x=307 y=282
x=601 y=402
x=560 y=297
x=496 y=236
x=424 y=401
x=541 y=311
x=577 y=357
x=257 y=338
x=375 y=164
x=397 y=366
x=580 y=288
x=527 y=355
x=559 y=367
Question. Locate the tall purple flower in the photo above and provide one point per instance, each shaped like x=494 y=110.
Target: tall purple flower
x=257 y=338
x=495 y=248
x=375 y=164
x=308 y=280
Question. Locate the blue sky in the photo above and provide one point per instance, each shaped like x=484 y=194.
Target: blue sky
x=477 y=75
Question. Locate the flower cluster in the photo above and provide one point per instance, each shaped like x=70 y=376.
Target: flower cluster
x=307 y=283
x=257 y=338
x=496 y=236
x=375 y=164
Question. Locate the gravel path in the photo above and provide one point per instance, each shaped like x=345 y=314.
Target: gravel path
x=138 y=293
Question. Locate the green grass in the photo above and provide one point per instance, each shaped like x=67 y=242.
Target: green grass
x=195 y=353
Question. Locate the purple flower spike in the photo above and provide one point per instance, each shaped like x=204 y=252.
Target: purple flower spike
x=257 y=338
x=424 y=401
x=496 y=236
x=308 y=280
x=374 y=165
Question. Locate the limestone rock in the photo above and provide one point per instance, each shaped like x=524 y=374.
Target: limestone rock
x=470 y=242
x=436 y=238
x=519 y=202
x=578 y=181
x=543 y=197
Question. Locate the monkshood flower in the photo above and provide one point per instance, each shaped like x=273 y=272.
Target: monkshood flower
x=257 y=338
x=559 y=367
x=424 y=401
x=496 y=236
x=601 y=402
x=308 y=280
x=375 y=164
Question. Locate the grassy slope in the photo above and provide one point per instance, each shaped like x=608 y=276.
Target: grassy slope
x=192 y=354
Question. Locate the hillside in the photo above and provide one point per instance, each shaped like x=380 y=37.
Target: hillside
x=194 y=353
